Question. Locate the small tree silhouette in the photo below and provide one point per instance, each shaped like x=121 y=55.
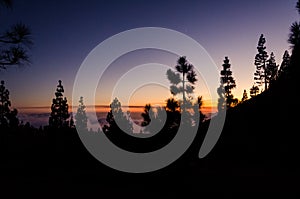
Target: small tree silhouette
x=59 y=109
x=197 y=107
x=8 y=118
x=228 y=83
x=146 y=115
x=80 y=117
x=188 y=76
x=116 y=117
x=245 y=96
x=152 y=116
x=72 y=123
x=261 y=57
x=254 y=91
x=173 y=113
x=172 y=105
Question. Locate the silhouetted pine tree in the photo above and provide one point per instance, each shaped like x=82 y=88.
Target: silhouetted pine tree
x=197 y=107
x=261 y=57
x=254 y=91
x=245 y=96
x=173 y=112
x=188 y=76
x=294 y=40
x=59 y=109
x=172 y=105
x=80 y=117
x=294 y=36
x=72 y=123
x=146 y=115
x=116 y=119
x=4 y=106
x=271 y=69
x=228 y=83
x=152 y=119
x=8 y=118
x=284 y=64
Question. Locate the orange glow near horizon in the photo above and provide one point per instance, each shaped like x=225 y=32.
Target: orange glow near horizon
x=105 y=108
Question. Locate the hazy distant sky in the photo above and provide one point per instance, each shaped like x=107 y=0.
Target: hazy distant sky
x=64 y=32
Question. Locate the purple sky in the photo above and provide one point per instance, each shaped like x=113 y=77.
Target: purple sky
x=64 y=32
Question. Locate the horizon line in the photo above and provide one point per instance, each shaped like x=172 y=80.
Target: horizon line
x=100 y=105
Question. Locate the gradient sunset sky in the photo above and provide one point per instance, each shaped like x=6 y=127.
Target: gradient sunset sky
x=64 y=32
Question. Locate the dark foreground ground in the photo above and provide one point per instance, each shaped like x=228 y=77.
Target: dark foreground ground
x=246 y=165
x=257 y=155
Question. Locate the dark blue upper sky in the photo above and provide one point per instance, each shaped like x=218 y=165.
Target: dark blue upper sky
x=65 y=31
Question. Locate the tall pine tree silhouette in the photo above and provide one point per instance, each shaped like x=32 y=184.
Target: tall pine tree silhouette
x=59 y=109
x=261 y=57
x=184 y=84
x=228 y=83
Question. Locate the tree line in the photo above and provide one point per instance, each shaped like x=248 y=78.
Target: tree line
x=182 y=85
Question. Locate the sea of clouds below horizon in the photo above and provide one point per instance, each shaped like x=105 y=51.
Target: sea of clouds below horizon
x=40 y=117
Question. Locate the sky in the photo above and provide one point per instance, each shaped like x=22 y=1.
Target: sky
x=65 y=32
